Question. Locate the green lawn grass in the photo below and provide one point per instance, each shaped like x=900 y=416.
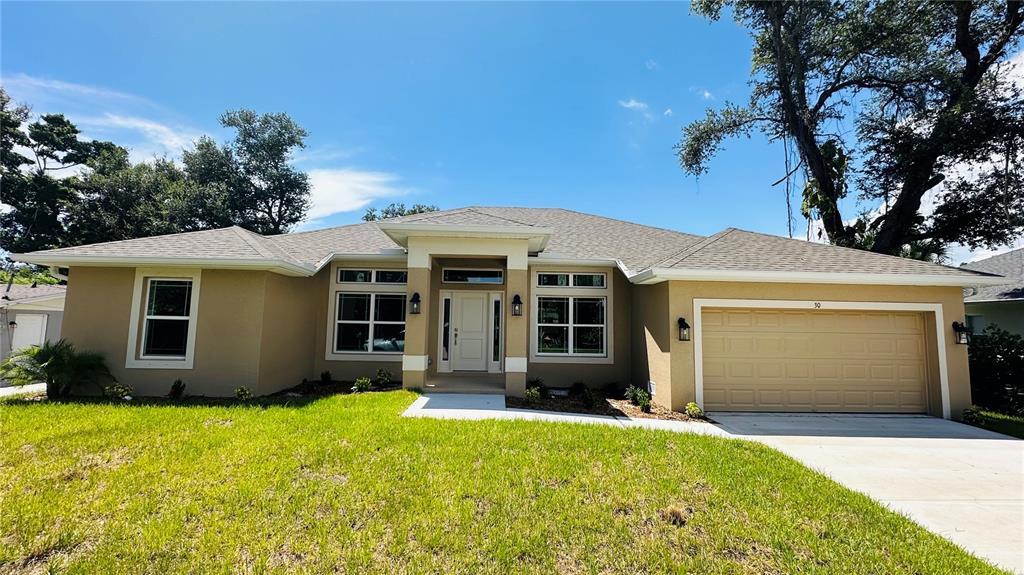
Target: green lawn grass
x=1012 y=425
x=344 y=484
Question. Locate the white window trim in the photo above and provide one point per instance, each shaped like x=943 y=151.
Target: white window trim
x=133 y=356
x=606 y=292
x=473 y=269
x=358 y=287
x=373 y=276
x=492 y=365
x=572 y=277
x=370 y=321
x=936 y=308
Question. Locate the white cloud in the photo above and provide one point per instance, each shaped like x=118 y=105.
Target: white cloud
x=651 y=65
x=164 y=138
x=21 y=83
x=667 y=112
x=632 y=104
x=349 y=189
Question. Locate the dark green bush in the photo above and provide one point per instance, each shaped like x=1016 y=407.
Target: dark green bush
x=532 y=394
x=59 y=365
x=325 y=377
x=242 y=393
x=997 y=370
x=177 y=390
x=383 y=378
x=538 y=384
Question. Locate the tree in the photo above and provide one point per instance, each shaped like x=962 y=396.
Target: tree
x=926 y=89
x=59 y=365
x=265 y=193
x=37 y=200
x=394 y=210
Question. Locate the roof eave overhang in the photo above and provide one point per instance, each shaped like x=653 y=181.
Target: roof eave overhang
x=658 y=275
x=537 y=238
x=271 y=265
x=31 y=300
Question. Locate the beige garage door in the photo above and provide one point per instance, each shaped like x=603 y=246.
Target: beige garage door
x=797 y=360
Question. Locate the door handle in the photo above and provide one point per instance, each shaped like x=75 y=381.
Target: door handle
x=456 y=340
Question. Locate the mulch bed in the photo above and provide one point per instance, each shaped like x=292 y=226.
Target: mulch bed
x=321 y=389
x=603 y=405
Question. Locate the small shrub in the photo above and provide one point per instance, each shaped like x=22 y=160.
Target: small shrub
x=588 y=398
x=972 y=416
x=325 y=377
x=383 y=378
x=577 y=389
x=693 y=411
x=177 y=390
x=634 y=393
x=59 y=365
x=362 y=384
x=532 y=394
x=118 y=391
x=538 y=384
x=242 y=393
x=645 y=402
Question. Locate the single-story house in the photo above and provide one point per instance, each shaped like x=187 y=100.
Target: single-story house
x=1000 y=305
x=29 y=315
x=493 y=297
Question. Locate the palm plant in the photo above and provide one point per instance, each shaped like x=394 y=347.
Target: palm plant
x=59 y=365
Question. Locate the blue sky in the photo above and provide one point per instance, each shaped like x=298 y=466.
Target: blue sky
x=567 y=105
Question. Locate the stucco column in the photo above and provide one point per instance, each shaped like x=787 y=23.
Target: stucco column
x=516 y=331
x=415 y=360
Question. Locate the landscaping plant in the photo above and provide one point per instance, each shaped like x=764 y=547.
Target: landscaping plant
x=119 y=391
x=242 y=393
x=362 y=384
x=177 y=390
x=997 y=370
x=383 y=378
x=532 y=394
x=693 y=411
x=325 y=377
x=57 y=364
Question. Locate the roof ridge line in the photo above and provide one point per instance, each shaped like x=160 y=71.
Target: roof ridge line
x=688 y=251
x=478 y=208
x=245 y=236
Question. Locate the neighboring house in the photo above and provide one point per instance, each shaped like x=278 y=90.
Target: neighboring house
x=503 y=295
x=1001 y=305
x=29 y=315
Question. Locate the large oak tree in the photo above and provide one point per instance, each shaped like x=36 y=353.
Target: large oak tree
x=892 y=99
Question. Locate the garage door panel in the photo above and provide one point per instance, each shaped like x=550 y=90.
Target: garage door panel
x=822 y=360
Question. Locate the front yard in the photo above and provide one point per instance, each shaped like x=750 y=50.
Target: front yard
x=345 y=484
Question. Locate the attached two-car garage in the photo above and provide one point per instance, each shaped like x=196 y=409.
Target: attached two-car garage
x=814 y=360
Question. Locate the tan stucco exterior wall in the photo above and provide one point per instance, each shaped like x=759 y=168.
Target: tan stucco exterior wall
x=680 y=304
x=288 y=342
x=651 y=338
x=228 y=332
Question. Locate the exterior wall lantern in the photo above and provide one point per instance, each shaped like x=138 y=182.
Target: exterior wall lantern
x=414 y=303
x=684 y=329
x=961 y=333
x=12 y=324
x=517 y=305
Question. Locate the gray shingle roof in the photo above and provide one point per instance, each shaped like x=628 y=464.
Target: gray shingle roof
x=574 y=235
x=740 y=250
x=1011 y=265
x=18 y=292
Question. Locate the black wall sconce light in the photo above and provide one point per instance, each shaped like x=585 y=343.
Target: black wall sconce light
x=12 y=324
x=961 y=333
x=517 y=305
x=414 y=303
x=684 y=330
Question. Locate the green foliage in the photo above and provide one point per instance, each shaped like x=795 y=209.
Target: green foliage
x=59 y=365
x=538 y=384
x=177 y=390
x=644 y=402
x=532 y=394
x=362 y=384
x=972 y=415
x=693 y=411
x=27 y=275
x=118 y=391
x=997 y=370
x=637 y=396
x=383 y=378
x=325 y=377
x=242 y=393
x=891 y=99
x=395 y=210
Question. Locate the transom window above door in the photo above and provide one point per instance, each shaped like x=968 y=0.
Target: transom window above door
x=468 y=276
x=379 y=276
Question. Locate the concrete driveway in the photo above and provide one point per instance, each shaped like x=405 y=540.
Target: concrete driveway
x=964 y=483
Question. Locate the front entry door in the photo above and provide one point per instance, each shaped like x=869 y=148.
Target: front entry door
x=469 y=331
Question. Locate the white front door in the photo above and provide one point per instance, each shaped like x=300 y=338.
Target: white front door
x=31 y=330
x=469 y=331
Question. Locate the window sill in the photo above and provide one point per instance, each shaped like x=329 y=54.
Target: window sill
x=592 y=360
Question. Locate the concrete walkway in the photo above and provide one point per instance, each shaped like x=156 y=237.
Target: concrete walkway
x=961 y=482
x=18 y=390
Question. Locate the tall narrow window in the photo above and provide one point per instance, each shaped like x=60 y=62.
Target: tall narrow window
x=446 y=328
x=496 y=343
x=168 y=305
